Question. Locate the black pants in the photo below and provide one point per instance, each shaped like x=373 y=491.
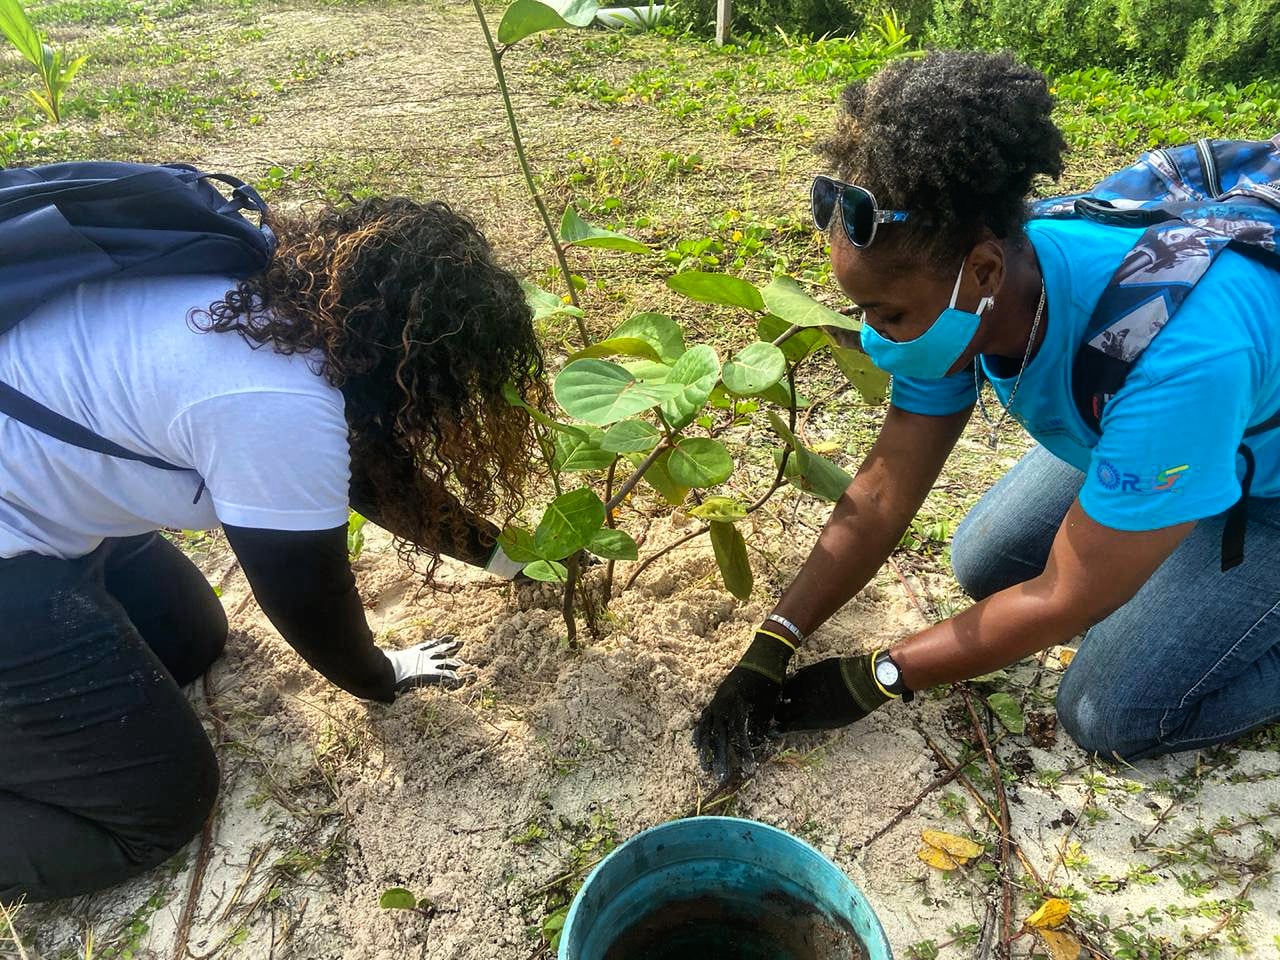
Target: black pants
x=105 y=771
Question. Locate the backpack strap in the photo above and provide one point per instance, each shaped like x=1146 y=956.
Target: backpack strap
x=1144 y=292
x=20 y=407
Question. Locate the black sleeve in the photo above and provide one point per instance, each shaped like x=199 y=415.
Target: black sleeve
x=471 y=541
x=303 y=582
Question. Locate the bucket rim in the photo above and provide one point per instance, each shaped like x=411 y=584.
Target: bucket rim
x=877 y=927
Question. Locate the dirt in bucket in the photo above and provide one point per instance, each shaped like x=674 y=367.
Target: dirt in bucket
x=776 y=926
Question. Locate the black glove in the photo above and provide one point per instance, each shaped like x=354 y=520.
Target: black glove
x=736 y=721
x=828 y=694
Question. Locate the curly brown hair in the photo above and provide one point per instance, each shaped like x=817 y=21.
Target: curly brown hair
x=956 y=139
x=415 y=322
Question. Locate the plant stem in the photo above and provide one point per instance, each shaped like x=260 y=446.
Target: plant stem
x=612 y=523
x=495 y=55
x=787 y=334
x=570 y=623
x=629 y=484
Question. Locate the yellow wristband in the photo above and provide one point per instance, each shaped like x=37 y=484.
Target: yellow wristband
x=781 y=639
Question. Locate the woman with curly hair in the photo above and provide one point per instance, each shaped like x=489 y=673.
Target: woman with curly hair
x=1114 y=537
x=365 y=369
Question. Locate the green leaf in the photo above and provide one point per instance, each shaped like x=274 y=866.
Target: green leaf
x=576 y=231
x=731 y=556
x=580 y=450
x=757 y=367
x=661 y=332
x=613 y=545
x=1007 y=712
x=602 y=393
x=647 y=370
x=15 y=25
x=693 y=376
x=569 y=523
x=397 y=898
x=815 y=474
x=717 y=288
x=796 y=347
x=866 y=377
x=722 y=509
x=618 y=346
x=553 y=926
x=700 y=462
x=513 y=398
x=517 y=543
x=544 y=303
x=527 y=17
x=630 y=436
x=548 y=571
x=355 y=535
x=780 y=393
x=807 y=470
x=781 y=428
x=785 y=298
x=658 y=477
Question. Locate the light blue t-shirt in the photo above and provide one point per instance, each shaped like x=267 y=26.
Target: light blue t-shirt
x=1169 y=437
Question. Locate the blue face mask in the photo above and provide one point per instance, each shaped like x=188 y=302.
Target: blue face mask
x=930 y=355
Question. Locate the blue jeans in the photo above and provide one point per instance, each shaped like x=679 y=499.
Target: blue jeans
x=1193 y=659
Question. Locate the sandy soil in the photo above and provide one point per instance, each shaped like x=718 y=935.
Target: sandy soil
x=477 y=799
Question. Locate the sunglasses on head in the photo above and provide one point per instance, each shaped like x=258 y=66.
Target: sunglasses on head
x=859 y=214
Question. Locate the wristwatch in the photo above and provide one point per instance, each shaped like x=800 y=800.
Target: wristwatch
x=889 y=676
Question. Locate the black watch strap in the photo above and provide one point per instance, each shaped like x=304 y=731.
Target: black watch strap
x=898 y=686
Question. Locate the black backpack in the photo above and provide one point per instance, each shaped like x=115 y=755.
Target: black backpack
x=70 y=223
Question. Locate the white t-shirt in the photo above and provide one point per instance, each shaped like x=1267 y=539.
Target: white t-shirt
x=265 y=431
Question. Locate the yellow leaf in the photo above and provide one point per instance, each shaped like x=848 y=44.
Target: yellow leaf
x=1062 y=946
x=958 y=847
x=825 y=446
x=939 y=859
x=1065 y=656
x=1051 y=914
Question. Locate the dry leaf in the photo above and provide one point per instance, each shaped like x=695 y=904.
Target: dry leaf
x=939 y=859
x=958 y=847
x=1050 y=914
x=1065 y=655
x=1062 y=946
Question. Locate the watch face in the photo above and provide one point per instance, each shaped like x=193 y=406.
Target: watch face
x=886 y=672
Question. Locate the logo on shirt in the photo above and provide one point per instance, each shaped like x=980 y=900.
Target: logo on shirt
x=1165 y=479
x=1113 y=478
x=1108 y=475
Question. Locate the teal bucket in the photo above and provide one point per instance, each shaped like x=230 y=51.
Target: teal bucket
x=708 y=888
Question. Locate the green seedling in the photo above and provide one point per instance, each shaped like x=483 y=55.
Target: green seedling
x=55 y=71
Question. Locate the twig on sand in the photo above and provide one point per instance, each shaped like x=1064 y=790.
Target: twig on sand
x=936 y=784
x=997 y=778
x=183 y=935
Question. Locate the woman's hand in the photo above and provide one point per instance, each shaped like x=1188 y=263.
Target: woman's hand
x=427 y=664
x=829 y=694
x=735 y=724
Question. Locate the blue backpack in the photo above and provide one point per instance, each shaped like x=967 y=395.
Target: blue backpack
x=1195 y=201
x=70 y=223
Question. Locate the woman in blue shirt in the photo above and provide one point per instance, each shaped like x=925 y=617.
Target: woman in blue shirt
x=1117 y=538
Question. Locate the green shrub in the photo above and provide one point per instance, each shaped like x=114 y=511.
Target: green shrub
x=1222 y=41
x=766 y=17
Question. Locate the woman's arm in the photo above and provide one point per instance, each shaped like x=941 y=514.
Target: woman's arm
x=1092 y=571
x=303 y=582
x=871 y=517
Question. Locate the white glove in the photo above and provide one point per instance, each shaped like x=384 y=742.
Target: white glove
x=427 y=663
